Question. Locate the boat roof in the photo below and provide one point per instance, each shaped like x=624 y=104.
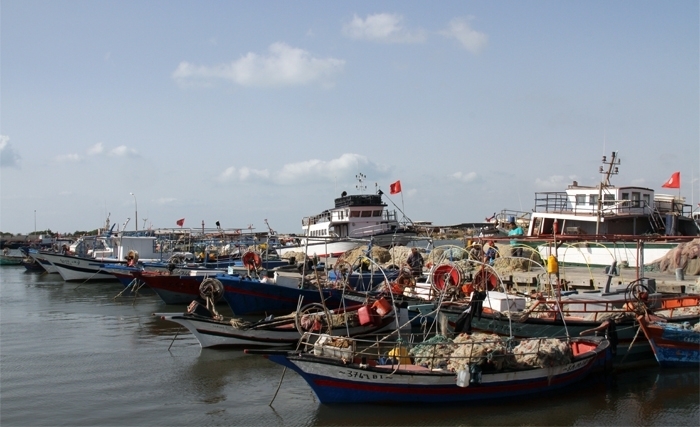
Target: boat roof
x=359 y=200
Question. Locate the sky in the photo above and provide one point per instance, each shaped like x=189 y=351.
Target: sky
x=246 y=111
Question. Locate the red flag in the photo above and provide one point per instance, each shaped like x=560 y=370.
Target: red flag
x=181 y=222
x=395 y=188
x=674 y=181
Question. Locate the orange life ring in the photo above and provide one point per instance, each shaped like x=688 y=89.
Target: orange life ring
x=445 y=272
x=252 y=260
x=485 y=280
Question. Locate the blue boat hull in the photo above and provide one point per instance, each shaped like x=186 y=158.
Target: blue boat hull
x=250 y=296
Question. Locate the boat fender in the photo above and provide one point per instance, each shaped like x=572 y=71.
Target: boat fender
x=463 y=378
x=611 y=335
x=474 y=374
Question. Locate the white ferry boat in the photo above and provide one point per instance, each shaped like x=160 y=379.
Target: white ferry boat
x=351 y=223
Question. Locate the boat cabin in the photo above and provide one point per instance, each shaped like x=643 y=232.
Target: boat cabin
x=610 y=210
x=355 y=216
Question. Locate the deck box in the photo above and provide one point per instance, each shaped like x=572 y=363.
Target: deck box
x=500 y=301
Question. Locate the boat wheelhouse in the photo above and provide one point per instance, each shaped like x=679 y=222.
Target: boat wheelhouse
x=359 y=216
x=611 y=210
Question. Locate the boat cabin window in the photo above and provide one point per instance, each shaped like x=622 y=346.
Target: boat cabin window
x=626 y=198
x=593 y=200
x=366 y=214
x=647 y=199
x=635 y=198
x=355 y=214
x=580 y=199
x=608 y=199
x=377 y=213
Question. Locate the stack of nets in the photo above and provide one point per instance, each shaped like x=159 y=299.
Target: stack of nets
x=477 y=348
x=490 y=350
x=542 y=353
x=337 y=320
x=686 y=256
x=433 y=353
x=692 y=310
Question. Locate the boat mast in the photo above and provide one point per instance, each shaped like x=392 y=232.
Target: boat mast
x=612 y=170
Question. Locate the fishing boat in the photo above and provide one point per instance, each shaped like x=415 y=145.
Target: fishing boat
x=32 y=265
x=609 y=312
x=362 y=280
x=174 y=289
x=215 y=331
x=246 y=295
x=596 y=225
x=88 y=256
x=469 y=368
x=354 y=217
x=11 y=256
x=674 y=344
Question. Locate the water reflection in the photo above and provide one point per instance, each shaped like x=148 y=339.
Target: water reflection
x=645 y=397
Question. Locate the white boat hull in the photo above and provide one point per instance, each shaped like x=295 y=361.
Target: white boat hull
x=74 y=268
x=322 y=250
x=602 y=255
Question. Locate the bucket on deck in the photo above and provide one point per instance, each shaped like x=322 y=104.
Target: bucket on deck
x=680 y=274
x=382 y=306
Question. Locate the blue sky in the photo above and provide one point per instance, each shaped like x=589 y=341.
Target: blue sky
x=244 y=111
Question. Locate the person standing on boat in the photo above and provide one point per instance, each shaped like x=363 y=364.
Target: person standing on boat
x=415 y=261
x=515 y=231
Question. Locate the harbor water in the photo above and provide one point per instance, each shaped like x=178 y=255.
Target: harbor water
x=71 y=354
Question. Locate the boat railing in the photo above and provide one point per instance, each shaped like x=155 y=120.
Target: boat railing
x=559 y=202
x=507 y=215
x=589 y=310
x=551 y=201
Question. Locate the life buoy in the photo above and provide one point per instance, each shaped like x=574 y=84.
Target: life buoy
x=252 y=260
x=485 y=280
x=446 y=275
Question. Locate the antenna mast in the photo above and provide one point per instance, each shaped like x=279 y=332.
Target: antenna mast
x=360 y=185
x=605 y=183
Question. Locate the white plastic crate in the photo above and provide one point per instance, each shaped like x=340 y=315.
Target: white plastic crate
x=501 y=302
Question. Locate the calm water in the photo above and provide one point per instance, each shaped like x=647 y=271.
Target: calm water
x=70 y=354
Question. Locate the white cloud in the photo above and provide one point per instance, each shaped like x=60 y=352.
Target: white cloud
x=243 y=174
x=346 y=165
x=69 y=158
x=465 y=177
x=555 y=182
x=282 y=66
x=95 y=149
x=123 y=151
x=227 y=174
x=8 y=155
x=470 y=39
x=382 y=27
x=313 y=170
x=246 y=173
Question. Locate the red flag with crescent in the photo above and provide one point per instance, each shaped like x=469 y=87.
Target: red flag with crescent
x=395 y=188
x=674 y=181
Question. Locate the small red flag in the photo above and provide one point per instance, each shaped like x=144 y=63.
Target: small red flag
x=674 y=181
x=395 y=188
x=181 y=222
